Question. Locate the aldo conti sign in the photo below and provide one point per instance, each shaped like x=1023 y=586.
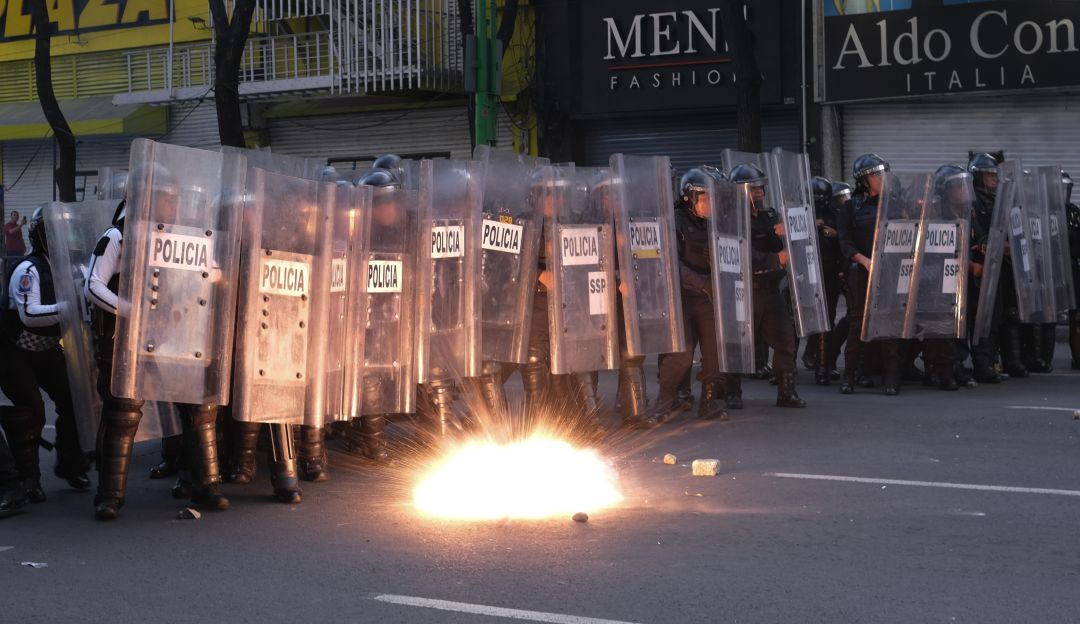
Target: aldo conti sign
x=904 y=48
x=662 y=54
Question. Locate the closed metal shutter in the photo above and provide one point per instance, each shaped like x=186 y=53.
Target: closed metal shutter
x=415 y=131
x=689 y=140
x=922 y=135
x=194 y=124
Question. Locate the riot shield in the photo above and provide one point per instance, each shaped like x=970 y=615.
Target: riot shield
x=580 y=256
x=789 y=187
x=892 y=264
x=994 y=254
x=389 y=372
x=448 y=270
x=640 y=206
x=729 y=231
x=73 y=230
x=938 y=295
x=1034 y=295
x=111 y=183
x=1059 y=260
x=510 y=242
x=729 y=159
x=346 y=306
x=283 y=290
x=295 y=166
x=178 y=275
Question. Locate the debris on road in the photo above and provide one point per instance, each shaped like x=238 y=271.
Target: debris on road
x=670 y=459
x=581 y=516
x=705 y=467
x=1076 y=414
x=188 y=513
x=34 y=564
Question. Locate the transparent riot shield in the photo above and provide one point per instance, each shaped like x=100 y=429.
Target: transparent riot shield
x=448 y=270
x=346 y=303
x=994 y=253
x=111 y=183
x=789 y=187
x=640 y=206
x=510 y=232
x=1034 y=295
x=730 y=159
x=389 y=373
x=295 y=166
x=284 y=286
x=581 y=258
x=1059 y=260
x=73 y=231
x=938 y=295
x=729 y=231
x=178 y=275
x=892 y=264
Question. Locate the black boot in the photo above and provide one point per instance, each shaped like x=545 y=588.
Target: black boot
x=946 y=377
x=1011 y=357
x=536 y=379
x=1074 y=337
x=785 y=391
x=490 y=388
x=583 y=391
x=200 y=440
x=1049 y=345
x=664 y=407
x=710 y=406
x=313 y=456
x=732 y=384
x=822 y=374
x=116 y=438
x=635 y=410
x=244 y=440
x=1031 y=339
x=283 y=468
x=371 y=431
x=171 y=447
x=24 y=436
x=848 y=387
x=13 y=499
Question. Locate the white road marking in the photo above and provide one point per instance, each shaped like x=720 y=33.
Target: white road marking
x=3 y=548
x=1042 y=408
x=937 y=484
x=513 y=614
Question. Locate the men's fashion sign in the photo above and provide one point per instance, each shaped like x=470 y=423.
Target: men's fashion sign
x=936 y=47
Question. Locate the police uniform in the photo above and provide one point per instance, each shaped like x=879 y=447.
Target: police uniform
x=120 y=416
x=983 y=353
x=33 y=360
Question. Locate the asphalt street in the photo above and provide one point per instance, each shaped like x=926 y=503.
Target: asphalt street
x=927 y=507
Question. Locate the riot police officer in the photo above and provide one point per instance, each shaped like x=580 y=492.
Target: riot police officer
x=120 y=416
x=984 y=172
x=33 y=360
x=1072 y=215
x=772 y=314
x=821 y=349
x=692 y=238
x=856 y=225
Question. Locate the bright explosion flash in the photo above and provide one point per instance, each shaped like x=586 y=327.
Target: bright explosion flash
x=535 y=478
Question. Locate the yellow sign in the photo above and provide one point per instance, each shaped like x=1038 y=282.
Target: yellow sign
x=81 y=26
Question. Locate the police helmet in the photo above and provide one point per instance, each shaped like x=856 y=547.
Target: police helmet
x=865 y=165
x=948 y=177
x=392 y=163
x=981 y=165
x=1067 y=182
x=714 y=172
x=747 y=173
x=841 y=192
x=694 y=182
x=821 y=189
x=379 y=178
x=328 y=174
x=38 y=240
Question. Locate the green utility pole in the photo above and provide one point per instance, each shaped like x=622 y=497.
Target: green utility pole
x=488 y=67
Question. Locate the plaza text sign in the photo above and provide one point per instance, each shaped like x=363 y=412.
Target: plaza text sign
x=951 y=47
x=662 y=54
x=81 y=16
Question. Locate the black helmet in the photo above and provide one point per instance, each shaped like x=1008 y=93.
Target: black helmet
x=1067 y=182
x=821 y=189
x=378 y=178
x=981 y=165
x=747 y=173
x=841 y=192
x=865 y=165
x=948 y=177
x=695 y=181
x=392 y=163
x=38 y=240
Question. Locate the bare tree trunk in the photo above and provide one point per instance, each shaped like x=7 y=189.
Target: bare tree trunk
x=467 y=28
x=65 y=171
x=741 y=42
x=506 y=26
x=230 y=40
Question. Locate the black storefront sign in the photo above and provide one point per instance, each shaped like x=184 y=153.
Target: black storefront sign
x=933 y=47
x=650 y=55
